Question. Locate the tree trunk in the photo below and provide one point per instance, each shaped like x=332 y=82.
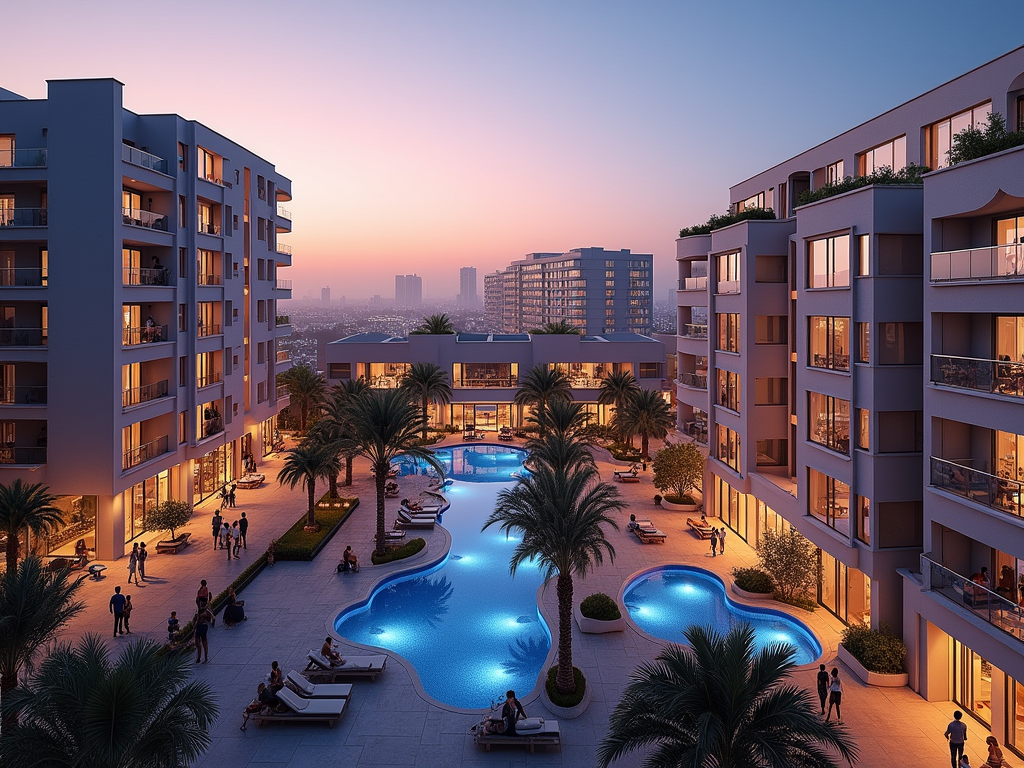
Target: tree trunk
x=7 y=684
x=645 y=445
x=348 y=469
x=380 y=478
x=564 y=681
x=332 y=486
x=426 y=406
x=12 y=552
x=311 y=491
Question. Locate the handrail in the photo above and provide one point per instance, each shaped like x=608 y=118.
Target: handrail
x=694 y=380
x=143 y=394
x=999 y=611
x=23 y=395
x=998 y=377
x=993 y=262
x=695 y=331
x=283 y=248
x=136 y=156
x=284 y=213
x=694 y=283
x=283 y=285
x=23 y=158
x=22 y=277
x=22 y=217
x=144 y=276
x=147 y=334
x=143 y=453
x=135 y=217
x=999 y=493
x=23 y=454
x=280 y=320
x=23 y=337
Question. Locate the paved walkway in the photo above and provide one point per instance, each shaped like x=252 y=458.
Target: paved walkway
x=291 y=606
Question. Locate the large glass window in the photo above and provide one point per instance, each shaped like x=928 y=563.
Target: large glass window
x=828 y=500
x=829 y=342
x=728 y=272
x=728 y=332
x=1010 y=343
x=863 y=342
x=729 y=390
x=864 y=519
x=891 y=154
x=940 y=135
x=143 y=498
x=829 y=422
x=382 y=375
x=864 y=429
x=834 y=172
x=972 y=682
x=584 y=375
x=728 y=447
x=771 y=329
x=828 y=262
x=486 y=375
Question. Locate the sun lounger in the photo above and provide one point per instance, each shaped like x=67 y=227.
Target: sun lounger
x=627 y=477
x=648 y=534
x=354 y=666
x=304 y=710
x=531 y=733
x=405 y=520
x=700 y=530
x=308 y=690
x=394 y=536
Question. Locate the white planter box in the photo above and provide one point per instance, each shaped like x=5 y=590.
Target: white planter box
x=679 y=507
x=596 y=626
x=752 y=595
x=871 y=678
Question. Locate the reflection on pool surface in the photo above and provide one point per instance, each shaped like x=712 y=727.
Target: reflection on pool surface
x=471 y=631
x=470 y=463
x=665 y=601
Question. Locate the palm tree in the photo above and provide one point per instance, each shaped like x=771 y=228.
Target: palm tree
x=25 y=507
x=616 y=389
x=82 y=709
x=383 y=425
x=308 y=462
x=561 y=442
x=35 y=602
x=332 y=427
x=306 y=389
x=429 y=384
x=646 y=414
x=560 y=513
x=722 y=703
x=540 y=386
x=559 y=328
x=437 y=325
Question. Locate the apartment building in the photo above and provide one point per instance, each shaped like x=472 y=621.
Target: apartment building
x=467 y=287
x=860 y=377
x=408 y=291
x=593 y=289
x=484 y=369
x=139 y=262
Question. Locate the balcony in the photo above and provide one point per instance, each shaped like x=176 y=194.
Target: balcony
x=694 y=380
x=996 y=377
x=283 y=285
x=693 y=284
x=984 y=603
x=144 y=394
x=509 y=382
x=22 y=158
x=209 y=227
x=212 y=426
x=136 y=456
x=284 y=356
x=694 y=331
x=209 y=380
x=23 y=337
x=142 y=159
x=29 y=395
x=23 y=454
x=208 y=329
x=1002 y=494
x=145 y=219
x=22 y=277
x=148 y=334
x=209 y=280
x=280 y=320
x=139 y=276
x=22 y=217
x=283 y=248
x=284 y=214
x=995 y=262
x=728 y=286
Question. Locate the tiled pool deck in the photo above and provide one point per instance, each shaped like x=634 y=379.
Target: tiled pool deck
x=387 y=723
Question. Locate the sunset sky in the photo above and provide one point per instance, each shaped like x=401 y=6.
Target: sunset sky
x=424 y=136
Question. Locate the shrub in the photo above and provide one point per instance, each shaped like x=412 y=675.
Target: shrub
x=910 y=175
x=624 y=452
x=299 y=544
x=671 y=498
x=879 y=650
x=562 y=700
x=408 y=549
x=601 y=607
x=678 y=468
x=167 y=516
x=753 y=580
x=791 y=561
x=972 y=143
x=717 y=222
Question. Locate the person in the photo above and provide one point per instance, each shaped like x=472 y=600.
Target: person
x=633 y=525
x=956 y=735
x=243 y=528
x=234 y=610
x=985 y=580
x=231 y=495
x=143 y=554
x=216 y=529
x=328 y=652
x=510 y=712
x=721 y=540
x=127 y=613
x=81 y=553
x=835 y=695
x=270 y=553
x=703 y=517
x=714 y=541
x=995 y=754
x=117 y=602
x=965 y=762
x=133 y=564
x=225 y=537
x=156 y=263
x=351 y=558
x=1006 y=582
x=149 y=334
x=172 y=627
x=203 y=621
x=202 y=596
x=236 y=539
x=223 y=495
x=822 y=686
x=276 y=677
x=256 y=706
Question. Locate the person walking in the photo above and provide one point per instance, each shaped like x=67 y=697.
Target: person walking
x=202 y=596
x=203 y=621
x=223 y=497
x=835 y=696
x=270 y=553
x=721 y=540
x=143 y=554
x=231 y=496
x=243 y=527
x=714 y=542
x=956 y=735
x=127 y=612
x=117 y=602
x=216 y=529
x=133 y=564
x=225 y=537
x=822 y=686
x=236 y=540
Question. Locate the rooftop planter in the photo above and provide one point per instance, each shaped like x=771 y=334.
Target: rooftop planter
x=885 y=176
x=972 y=143
x=598 y=614
x=717 y=222
x=875 y=656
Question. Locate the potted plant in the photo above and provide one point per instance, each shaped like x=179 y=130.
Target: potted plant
x=874 y=655
x=169 y=516
x=598 y=614
x=678 y=470
x=752 y=583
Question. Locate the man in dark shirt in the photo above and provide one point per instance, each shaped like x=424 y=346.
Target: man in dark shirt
x=822 y=686
x=117 y=602
x=243 y=526
x=217 y=519
x=956 y=735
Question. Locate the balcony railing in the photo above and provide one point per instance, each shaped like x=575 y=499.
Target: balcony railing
x=988 y=605
x=993 y=491
x=25 y=395
x=283 y=285
x=208 y=329
x=283 y=248
x=23 y=337
x=143 y=394
x=998 y=377
x=142 y=276
x=693 y=284
x=728 y=286
x=209 y=379
x=22 y=217
x=995 y=262
x=147 y=334
x=142 y=454
x=283 y=213
x=136 y=156
x=209 y=280
x=694 y=380
x=212 y=426
x=209 y=227
x=280 y=320
x=284 y=356
x=508 y=382
x=22 y=277
x=146 y=219
x=23 y=454
x=22 y=158
x=694 y=331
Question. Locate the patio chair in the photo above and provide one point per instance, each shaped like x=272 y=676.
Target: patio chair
x=308 y=710
x=353 y=666
x=309 y=690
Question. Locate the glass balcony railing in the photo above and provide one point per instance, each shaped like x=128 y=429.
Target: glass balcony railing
x=23 y=337
x=694 y=331
x=1002 y=494
x=997 y=377
x=22 y=217
x=694 y=380
x=141 y=276
x=22 y=277
x=284 y=356
x=142 y=159
x=208 y=329
x=507 y=382
x=280 y=320
x=283 y=248
x=133 y=217
x=143 y=394
x=693 y=284
x=995 y=262
x=212 y=426
x=987 y=604
x=143 y=453
x=284 y=213
x=209 y=380
x=23 y=395
x=147 y=334
x=209 y=280
x=22 y=158
x=728 y=286
x=209 y=227
x=283 y=285
x=23 y=454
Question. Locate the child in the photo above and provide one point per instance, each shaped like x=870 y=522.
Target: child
x=172 y=627
x=127 y=612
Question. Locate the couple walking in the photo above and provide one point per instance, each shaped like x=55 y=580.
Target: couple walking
x=137 y=562
x=717 y=540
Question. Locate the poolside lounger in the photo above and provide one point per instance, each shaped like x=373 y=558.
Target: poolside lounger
x=425 y=513
x=627 y=477
x=700 y=530
x=308 y=690
x=648 y=534
x=531 y=733
x=354 y=666
x=414 y=521
x=304 y=710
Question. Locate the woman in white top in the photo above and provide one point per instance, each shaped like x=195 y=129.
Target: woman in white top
x=835 y=695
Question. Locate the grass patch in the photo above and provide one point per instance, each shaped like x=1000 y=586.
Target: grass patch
x=566 y=700
x=797 y=602
x=408 y=549
x=299 y=544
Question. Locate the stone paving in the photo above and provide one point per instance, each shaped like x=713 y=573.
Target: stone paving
x=291 y=606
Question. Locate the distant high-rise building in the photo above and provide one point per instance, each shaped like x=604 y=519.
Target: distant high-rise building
x=595 y=290
x=408 y=290
x=375 y=300
x=467 y=287
x=325 y=294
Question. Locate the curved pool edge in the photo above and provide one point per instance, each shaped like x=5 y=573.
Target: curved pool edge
x=828 y=650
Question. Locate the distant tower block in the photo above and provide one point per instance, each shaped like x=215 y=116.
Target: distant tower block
x=467 y=287
x=325 y=294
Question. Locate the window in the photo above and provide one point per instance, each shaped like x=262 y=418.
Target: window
x=728 y=272
x=182 y=210
x=728 y=447
x=183 y=317
x=208 y=318
x=892 y=154
x=828 y=262
x=940 y=135
x=772 y=453
x=864 y=255
x=754 y=201
x=834 y=172
x=182 y=262
x=863 y=342
x=182 y=428
x=261 y=228
x=182 y=371
x=261 y=187
x=771 y=329
x=864 y=519
x=728 y=332
x=207 y=168
x=864 y=429
x=6 y=151
x=261 y=269
x=828 y=341
x=770 y=391
x=770 y=269
x=208 y=267
x=209 y=218
x=728 y=390
x=182 y=157
x=900 y=343
x=340 y=371
x=828 y=422
x=828 y=500
x=650 y=370
x=261 y=311
x=900 y=431
x=207 y=369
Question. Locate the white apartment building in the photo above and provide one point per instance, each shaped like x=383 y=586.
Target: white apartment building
x=139 y=262
x=860 y=377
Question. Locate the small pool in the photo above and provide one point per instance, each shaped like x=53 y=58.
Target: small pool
x=665 y=601
x=471 y=631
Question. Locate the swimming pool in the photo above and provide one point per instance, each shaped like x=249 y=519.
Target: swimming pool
x=469 y=629
x=666 y=600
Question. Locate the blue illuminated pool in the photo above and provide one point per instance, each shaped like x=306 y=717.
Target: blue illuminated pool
x=470 y=630
x=665 y=601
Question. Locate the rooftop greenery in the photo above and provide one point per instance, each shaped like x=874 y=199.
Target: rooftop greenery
x=717 y=222
x=972 y=143
x=885 y=175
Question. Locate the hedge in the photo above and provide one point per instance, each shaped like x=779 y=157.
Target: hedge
x=408 y=549
x=879 y=650
x=601 y=607
x=753 y=580
x=299 y=544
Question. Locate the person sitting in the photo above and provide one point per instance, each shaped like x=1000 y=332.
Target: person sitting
x=276 y=677
x=234 y=611
x=350 y=559
x=511 y=711
x=1006 y=586
x=259 y=703
x=633 y=525
x=81 y=553
x=328 y=652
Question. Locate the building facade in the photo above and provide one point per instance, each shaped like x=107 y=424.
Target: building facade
x=593 y=289
x=139 y=262
x=860 y=377
x=408 y=291
x=467 y=287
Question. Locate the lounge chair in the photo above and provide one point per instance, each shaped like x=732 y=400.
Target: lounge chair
x=648 y=534
x=629 y=476
x=531 y=733
x=304 y=710
x=308 y=690
x=700 y=529
x=405 y=520
x=354 y=666
x=394 y=536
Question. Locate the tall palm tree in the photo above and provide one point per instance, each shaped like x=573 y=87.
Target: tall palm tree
x=560 y=513
x=332 y=427
x=437 y=325
x=306 y=389
x=308 y=462
x=559 y=328
x=85 y=710
x=35 y=602
x=540 y=386
x=383 y=425
x=25 y=507
x=646 y=414
x=561 y=442
x=429 y=384
x=616 y=389
x=722 y=703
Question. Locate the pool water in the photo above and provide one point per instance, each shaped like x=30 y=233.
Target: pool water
x=469 y=629
x=665 y=601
